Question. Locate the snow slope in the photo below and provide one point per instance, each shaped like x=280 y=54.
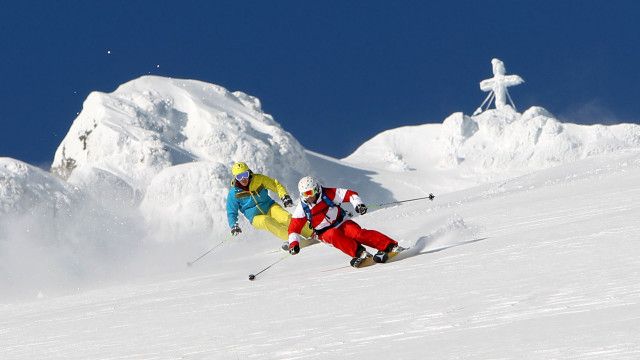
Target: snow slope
x=147 y=167
x=542 y=266
x=54 y=236
x=527 y=252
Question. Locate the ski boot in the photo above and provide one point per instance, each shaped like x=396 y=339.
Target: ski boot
x=362 y=259
x=383 y=255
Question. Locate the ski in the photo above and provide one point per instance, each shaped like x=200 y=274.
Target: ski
x=393 y=254
x=368 y=261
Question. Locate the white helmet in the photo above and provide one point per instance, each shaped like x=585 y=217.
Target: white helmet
x=308 y=186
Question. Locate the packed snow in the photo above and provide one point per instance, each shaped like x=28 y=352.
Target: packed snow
x=528 y=251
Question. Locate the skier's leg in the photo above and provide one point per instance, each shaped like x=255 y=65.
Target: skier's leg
x=337 y=238
x=266 y=222
x=283 y=217
x=372 y=238
x=307 y=231
x=279 y=214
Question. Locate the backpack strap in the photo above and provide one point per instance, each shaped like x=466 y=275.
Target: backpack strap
x=329 y=202
x=307 y=211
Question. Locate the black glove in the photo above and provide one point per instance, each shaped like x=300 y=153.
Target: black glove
x=286 y=201
x=361 y=209
x=235 y=230
x=431 y=197
x=294 y=248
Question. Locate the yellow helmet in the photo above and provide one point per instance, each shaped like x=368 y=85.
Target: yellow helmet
x=239 y=168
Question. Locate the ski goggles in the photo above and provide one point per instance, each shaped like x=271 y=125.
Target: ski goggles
x=309 y=193
x=243 y=176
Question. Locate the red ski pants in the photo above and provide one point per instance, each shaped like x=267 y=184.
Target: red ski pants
x=349 y=235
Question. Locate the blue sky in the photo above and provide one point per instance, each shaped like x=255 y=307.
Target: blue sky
x=333 y=73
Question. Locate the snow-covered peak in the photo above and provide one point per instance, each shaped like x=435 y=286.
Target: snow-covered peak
x=27 y=189
x=152 y=123
x=495 y=141
x=500 y=141
x=167 y=144
x=465 y=151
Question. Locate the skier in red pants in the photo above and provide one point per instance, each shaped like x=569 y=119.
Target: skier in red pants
x=321 y=207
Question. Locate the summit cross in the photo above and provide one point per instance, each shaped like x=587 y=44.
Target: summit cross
x=497 y=87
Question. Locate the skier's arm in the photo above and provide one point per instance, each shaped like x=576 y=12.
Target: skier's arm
x=271 y=184
x=298 y=221
x=232 y=208
x=346 y=195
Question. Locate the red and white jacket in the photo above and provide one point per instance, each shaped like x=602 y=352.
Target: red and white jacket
x=323 y=216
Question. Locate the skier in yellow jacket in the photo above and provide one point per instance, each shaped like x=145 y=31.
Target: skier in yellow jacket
x=249 y=194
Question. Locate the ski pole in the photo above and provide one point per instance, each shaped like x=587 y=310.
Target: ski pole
x=189 y=263
x=430 y=197
x=252 y=276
